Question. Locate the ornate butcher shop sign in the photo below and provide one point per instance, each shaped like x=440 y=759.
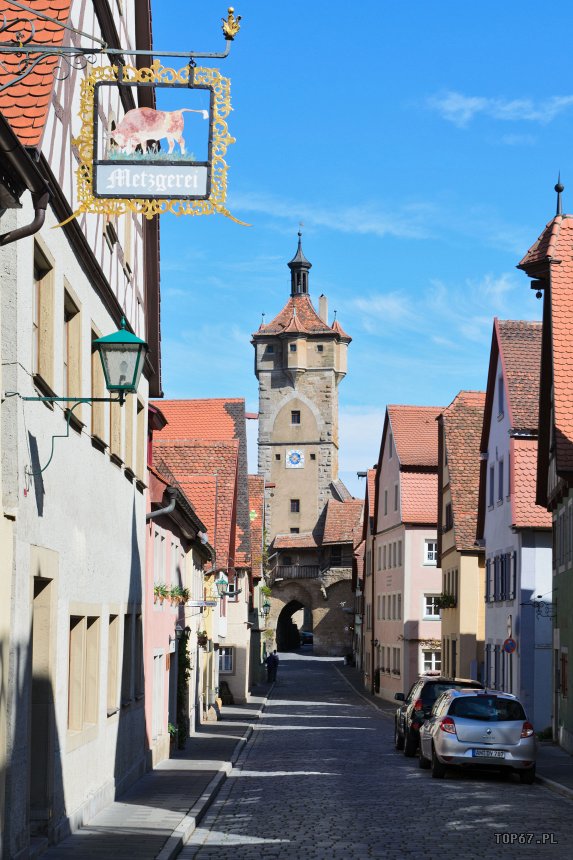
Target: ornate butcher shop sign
x=149 y=160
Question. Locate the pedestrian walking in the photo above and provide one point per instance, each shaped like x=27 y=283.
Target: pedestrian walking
x=272 y=662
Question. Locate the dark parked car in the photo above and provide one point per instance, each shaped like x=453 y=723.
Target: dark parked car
x=306 y=637
x=417 y=706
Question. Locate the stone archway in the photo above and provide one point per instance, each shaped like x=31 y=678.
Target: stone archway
x=292 y=617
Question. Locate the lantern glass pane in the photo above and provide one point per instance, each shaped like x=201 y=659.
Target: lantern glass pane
x=122 y=366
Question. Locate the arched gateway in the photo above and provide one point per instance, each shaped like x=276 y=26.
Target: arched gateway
x=313 y=523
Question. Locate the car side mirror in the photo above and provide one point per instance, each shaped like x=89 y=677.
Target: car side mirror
x=400 y=697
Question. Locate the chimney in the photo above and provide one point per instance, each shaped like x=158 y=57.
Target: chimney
x=323 y=308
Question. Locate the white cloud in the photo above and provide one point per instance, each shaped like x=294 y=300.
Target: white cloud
x=460 y=109
x=407 y=221
x=460 y=311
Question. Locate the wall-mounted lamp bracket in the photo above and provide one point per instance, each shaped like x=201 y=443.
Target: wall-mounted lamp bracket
x=75 y=401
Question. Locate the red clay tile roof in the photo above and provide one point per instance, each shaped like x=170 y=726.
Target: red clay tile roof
x=524 y=512
x=415 y=433
x=199 y=419
x=299 y=315
x=419 y=497
x=545 y=247
x=216 y=419
x=371 y=479
x=295 y=541
x=462 y=422
x=256 y=515
x=25 y=104
x=556 y=251
x=207 y=473
x=343 y=523
x=339 y=330
x=520 y=347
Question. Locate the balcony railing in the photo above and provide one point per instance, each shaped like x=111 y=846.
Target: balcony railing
x=294 y=571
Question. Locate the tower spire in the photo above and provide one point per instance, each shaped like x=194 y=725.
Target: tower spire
x=559 y=188
x=299 y=268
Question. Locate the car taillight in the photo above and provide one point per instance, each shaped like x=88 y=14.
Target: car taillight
x=448 y=725
x=527 y=730
x=418 y=705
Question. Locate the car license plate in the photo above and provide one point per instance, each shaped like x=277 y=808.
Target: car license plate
x=488 y=753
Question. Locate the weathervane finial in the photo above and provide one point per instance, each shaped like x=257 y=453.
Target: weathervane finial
x=559 y=188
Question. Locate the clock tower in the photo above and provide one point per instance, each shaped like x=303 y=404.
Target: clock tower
x=300 y=360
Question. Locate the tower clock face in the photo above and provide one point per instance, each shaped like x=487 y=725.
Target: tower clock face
x=294 y=459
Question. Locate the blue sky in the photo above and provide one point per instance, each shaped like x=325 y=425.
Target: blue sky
x=419 y=144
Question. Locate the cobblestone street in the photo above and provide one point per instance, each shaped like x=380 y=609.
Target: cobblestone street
x=320 y=779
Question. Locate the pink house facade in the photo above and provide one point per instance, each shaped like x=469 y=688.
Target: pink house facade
x=177 y=551
x=402 y=626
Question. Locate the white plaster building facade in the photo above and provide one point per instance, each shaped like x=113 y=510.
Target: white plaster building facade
x=515 y=531
x=75 y=731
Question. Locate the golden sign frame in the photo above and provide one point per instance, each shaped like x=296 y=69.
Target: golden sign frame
x=159 y=74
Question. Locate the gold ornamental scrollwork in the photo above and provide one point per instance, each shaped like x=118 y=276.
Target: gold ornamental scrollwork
x=149 y=208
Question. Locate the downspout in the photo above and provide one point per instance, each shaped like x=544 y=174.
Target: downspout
x=22 y=166
x=40 y=201
x=171 y=492
x=373 y=638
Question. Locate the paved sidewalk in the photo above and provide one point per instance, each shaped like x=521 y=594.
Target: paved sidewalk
x=554 y=765
x=156 y=816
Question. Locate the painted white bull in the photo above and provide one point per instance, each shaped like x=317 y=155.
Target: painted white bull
x=142 y=124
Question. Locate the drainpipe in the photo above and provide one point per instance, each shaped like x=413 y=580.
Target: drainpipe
x=25 y=170
x=373 y=638
x=40 y=202
x=171 y=492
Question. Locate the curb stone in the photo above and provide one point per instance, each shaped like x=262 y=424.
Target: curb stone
x=554 y=786
x=189 y=823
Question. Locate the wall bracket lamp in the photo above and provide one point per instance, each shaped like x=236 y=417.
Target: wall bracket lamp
x=122 y=355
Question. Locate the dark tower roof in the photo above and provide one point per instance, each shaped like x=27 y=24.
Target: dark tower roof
x=299 y=267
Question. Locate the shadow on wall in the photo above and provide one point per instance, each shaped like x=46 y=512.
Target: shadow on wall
x=33 y=803
x=333 y=621
x=132 y=744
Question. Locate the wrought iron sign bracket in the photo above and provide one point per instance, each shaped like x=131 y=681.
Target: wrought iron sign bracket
x=29 y=54
x=542 y=609
x=75 y=401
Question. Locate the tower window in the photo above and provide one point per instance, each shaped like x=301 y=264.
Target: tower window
x=295 y=416
x=277 y=456
x=313 y=456
x=320 y=348
x=295 y=506
x=294 y=531
x=270 y=349
x=292 y=347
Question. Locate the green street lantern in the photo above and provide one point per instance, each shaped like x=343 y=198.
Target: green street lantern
x=122 y=357
x=222 y=585
x=266 y=608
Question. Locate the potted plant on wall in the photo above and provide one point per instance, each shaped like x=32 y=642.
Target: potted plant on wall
x=446 y=601
x=160 y=592
x=176 y=594
x=202 y=638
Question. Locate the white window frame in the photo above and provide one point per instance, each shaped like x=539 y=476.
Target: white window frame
x=430 y=616
x=226 y=660
x=427 y=559
x=434 y=658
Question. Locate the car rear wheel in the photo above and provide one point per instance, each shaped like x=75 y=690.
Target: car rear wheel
x=527 y=777
x=398 y=738
x=438 y=769
x=410 y=745
x=423 y=762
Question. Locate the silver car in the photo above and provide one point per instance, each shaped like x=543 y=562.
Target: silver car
x=477 y=728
